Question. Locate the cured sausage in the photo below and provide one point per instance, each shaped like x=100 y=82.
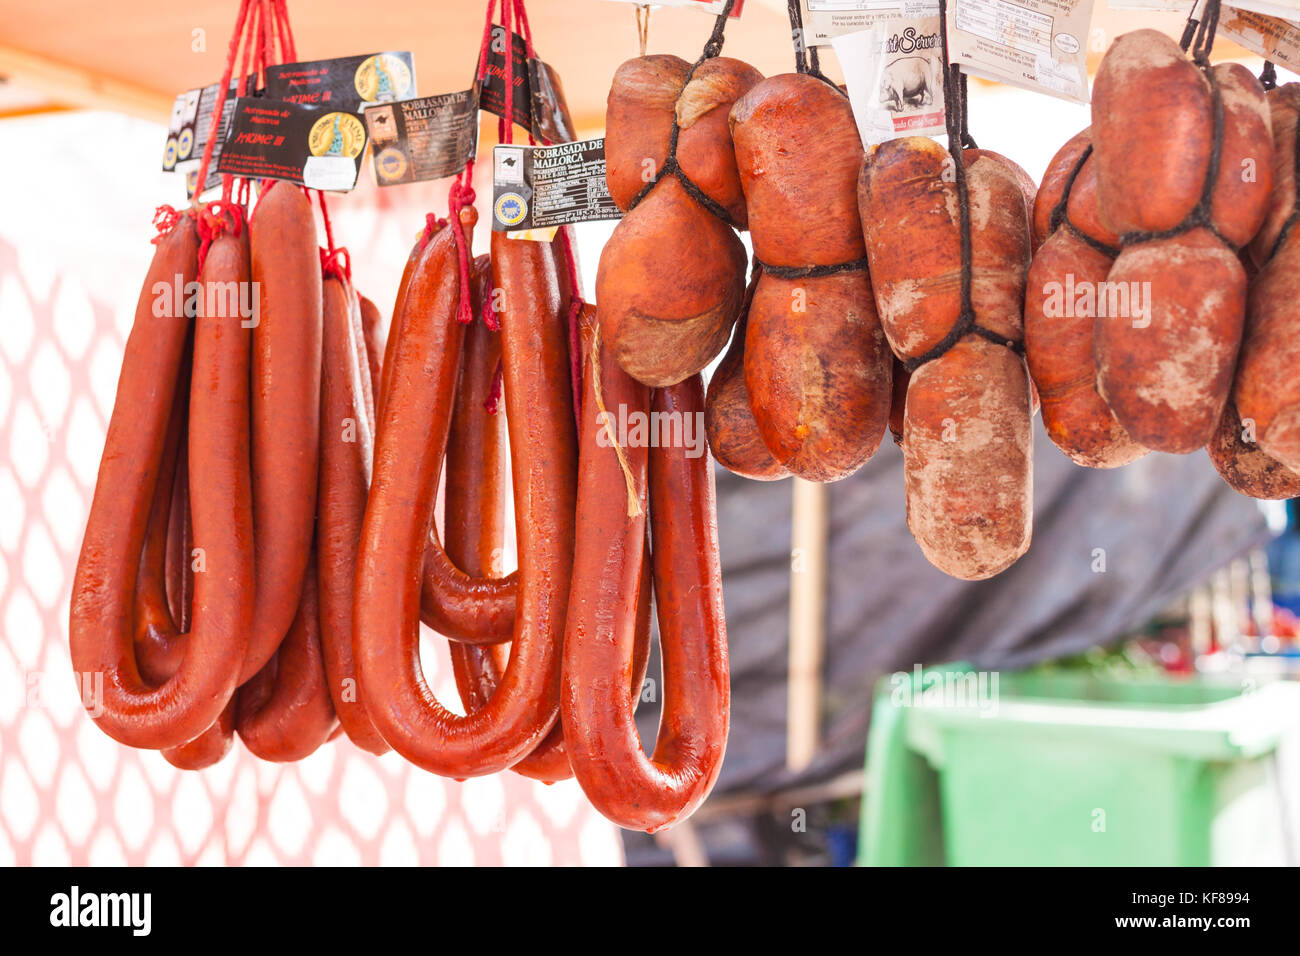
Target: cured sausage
x=284 y=712
x=469 y=608
x=346 y=452
x=1266 y=391
x=285 y=410
x=395 y=328
x=967 y=441
x=160 y=622
x=817 y=366
x=1028 y=187
x=410 y=445
x=1181 y=206
x=366 y=357
x=101 y=640
x=1065 y=292
x=371 y=321
x=631 y=789
x=474 y=502
x=1245 y=466
x=672 y=276
x=729 y=419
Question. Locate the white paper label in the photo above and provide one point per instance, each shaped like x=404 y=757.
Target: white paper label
x=894 y=75
x=329 y=172
x=1035 y=44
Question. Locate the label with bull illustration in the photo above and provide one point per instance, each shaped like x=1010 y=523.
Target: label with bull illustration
x=538 y=187
x=894 y=74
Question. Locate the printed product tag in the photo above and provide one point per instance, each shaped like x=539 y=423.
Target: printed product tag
x=348 y=83
x=824 y=20
x=276 y=139
x=187 y=132
x=493 y=99
x=535 y=187
x=1272 y=38
x=711 y=7
x=1035 y=44
x=894 y=75
x=428 y=138
x=1284 y=9
x=547 y=106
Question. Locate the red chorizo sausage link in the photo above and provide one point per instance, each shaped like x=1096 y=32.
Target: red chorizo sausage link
x=286 y=410
x=210 y=746
x=395 y=327
x=457 y=605
x=346 y=450
x=158 y=650
x=469 y=608
x=192 y=699
x=369 y=351
x=161 y=619
x=180 y=542
x=474 y=498
x=284 y=712
x=621 y=782
x=410 y=446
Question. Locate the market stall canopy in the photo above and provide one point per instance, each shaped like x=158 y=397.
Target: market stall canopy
x=136 y=57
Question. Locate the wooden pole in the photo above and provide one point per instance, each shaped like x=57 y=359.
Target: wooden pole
x=807 y=621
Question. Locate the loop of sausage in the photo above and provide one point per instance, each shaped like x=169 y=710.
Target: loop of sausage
x=366 y=322
x=284 y=712
x=621 y=782
x=191 y=700
x=180 y=541
x=729 y=421
x=210 y=746
x=162 y=617
x=465 y=607
x=411 y=442
x=285 y=410
x=346 y=450
x=158 y=625
x=474 y=502
x=462 y=607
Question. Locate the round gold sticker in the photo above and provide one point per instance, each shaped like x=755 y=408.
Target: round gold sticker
x=383 y=77
x=337 y=134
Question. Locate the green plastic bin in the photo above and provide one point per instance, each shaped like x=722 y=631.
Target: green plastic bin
x=1075 y=769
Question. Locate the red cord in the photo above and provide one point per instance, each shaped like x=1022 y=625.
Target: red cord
x=215 y=126
x=575 y=310
x=492 y=404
